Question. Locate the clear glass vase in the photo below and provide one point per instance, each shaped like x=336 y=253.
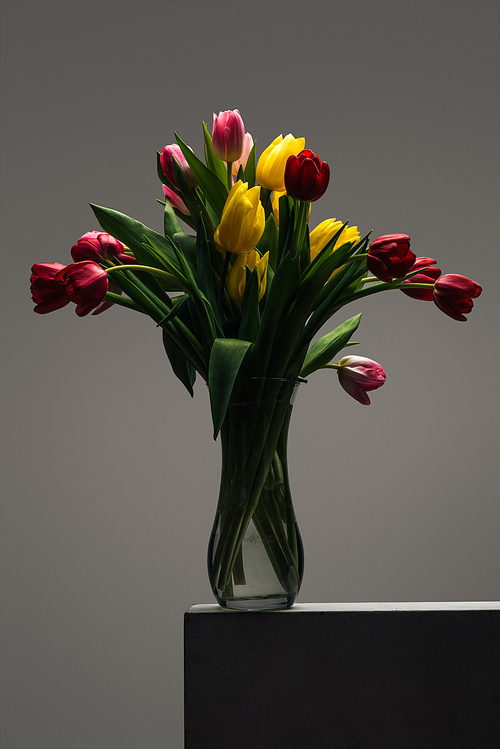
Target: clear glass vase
x=255 y=555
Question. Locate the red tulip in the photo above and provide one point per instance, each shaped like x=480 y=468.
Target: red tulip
x=390 y=257
x=168 y=154
x=359 y=375
x=47 y=292
x=429 y=275
x=453 y=295
x=86 y=286
x=306 y=176
x=228 y=135
x=96 y=245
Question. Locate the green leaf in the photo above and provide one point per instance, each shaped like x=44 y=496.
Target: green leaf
x=186 y=244
x=279 y=297
x=214 y=189
x=205 y=271
x=181 y=367
x=225 y=361
x=171 y=223
x=250 y=314
x=269 y=241
x=213 y=161
x=323 y=351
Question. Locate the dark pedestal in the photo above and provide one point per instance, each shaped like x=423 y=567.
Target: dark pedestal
x=344 y=676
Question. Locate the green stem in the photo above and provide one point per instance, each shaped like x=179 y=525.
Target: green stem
x=382 y=287
x=300 y=225
x=147 y=269
x=123 y=301
x=229 y=175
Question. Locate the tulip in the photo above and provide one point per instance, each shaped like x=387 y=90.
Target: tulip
x=453 y=295
x=86 y=286
x=428 y=275
x=242 y=161
x=271 y=165
x=358 y=375
x=306 y=176
x=168 y=154
x=97 y=246
x=47 y=292
x=324 y=232
x=243 y=220
x=175 y=200
x=228 y=135
x=237 y=278
x=390 y=257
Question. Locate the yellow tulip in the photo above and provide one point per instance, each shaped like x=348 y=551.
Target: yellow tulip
x=242 y=221
x=321 y=235
x=237 y=278
x=271 y=165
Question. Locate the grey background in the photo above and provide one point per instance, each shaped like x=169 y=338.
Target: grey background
x=110 y=474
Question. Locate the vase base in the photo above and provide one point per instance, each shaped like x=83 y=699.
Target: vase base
x=259 y=603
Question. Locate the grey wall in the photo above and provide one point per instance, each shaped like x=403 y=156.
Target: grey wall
x=110 y=473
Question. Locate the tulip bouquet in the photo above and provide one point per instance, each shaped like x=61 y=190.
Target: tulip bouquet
x=240 y=298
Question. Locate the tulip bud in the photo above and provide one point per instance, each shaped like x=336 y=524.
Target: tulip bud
x=168 y=154
x=175 y=200
x=390 y=257
x=86 y=285
x=47 y=292
x=270 y=171
x=228 y=135
x=428 y=275
x=359 y=375
x=453 y=294
x=242 y=221
x=306 y=176
x=237 y=277
x=97 y=246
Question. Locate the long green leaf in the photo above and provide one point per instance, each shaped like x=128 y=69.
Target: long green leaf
x=181 y=367
x=213 y=161
x=323 y=351
x=225 y=361
x=269 y=241
x=250 y=314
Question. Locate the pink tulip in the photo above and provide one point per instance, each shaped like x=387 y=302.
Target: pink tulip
x=390 y=257
x=360 y=375
x=86 y=286
x=96 y=246
x=47 y=292
x=429 y=275
x=228 y=135
x=168 y=154
x=175 y=200
x=453 y=295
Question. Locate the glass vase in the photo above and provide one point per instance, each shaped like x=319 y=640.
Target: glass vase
x=255 y=554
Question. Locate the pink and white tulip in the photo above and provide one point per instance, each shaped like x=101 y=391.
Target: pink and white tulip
x=228 y=135
x=358 y=375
